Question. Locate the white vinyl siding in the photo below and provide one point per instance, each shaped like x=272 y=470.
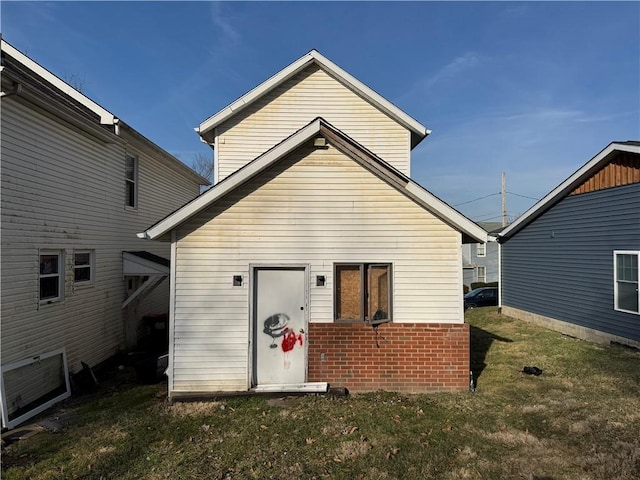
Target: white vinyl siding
x=63 y=190
x=318 y=208
x=309 y=94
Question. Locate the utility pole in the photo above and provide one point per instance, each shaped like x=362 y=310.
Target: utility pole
x=504 y=200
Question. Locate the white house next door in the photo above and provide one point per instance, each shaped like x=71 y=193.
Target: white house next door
x=279 y=326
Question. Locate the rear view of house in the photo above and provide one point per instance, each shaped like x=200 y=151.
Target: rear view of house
x=77 y=184
x=571 y=262
x=315 y=258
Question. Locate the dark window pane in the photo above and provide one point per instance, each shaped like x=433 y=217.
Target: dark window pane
x=82 y=274
x=48 y=264
x=628 y=296
x=130 y=169
x=131 y=194
x=49 y=288
x=82 y=258
x=348 y=292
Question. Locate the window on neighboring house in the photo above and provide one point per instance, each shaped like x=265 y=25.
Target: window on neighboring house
x=363 y=292
x=626 y=293
x=51 y=276
x=482 y=274
x=131 y=181
x=83 y=261
x=481 y=251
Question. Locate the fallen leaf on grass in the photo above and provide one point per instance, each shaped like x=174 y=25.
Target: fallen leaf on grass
x=392 y=453
x=396 y=418
x=263 y=427
x=310 y=440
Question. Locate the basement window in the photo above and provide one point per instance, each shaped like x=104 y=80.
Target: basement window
x=362 y=292
x=626 y=295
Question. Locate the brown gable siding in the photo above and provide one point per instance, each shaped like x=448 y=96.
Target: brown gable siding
x=623 y=169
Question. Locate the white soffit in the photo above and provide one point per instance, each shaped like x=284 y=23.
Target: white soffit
x=106 y=117
x=565 y=187
x=326 y=64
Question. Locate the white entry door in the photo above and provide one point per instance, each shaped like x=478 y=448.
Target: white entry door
x=279 y=326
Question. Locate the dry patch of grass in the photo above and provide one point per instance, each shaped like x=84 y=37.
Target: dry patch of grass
x=579 y=420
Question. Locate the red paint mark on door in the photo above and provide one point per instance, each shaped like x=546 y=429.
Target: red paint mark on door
x=289 y=340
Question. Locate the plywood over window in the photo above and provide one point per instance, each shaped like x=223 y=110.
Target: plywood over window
x=623 y=169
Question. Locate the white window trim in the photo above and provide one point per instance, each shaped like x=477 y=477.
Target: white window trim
x=91 y=266
x=484 y=279
x=484 y=250
x=136 y=164
x=60 y=275
x=615 y=280
x=43 y=406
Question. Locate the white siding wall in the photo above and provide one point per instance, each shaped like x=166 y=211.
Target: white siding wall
x=309 y=94
x=316 y=207
x=64 y=190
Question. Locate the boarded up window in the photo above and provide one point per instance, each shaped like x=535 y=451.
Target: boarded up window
x=363 y=292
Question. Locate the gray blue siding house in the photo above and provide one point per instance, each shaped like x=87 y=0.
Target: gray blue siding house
x=571 y=262
x=480 y=260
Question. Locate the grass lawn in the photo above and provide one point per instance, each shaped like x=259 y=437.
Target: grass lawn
x=580 y=419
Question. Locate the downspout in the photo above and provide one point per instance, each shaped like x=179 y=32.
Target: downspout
x=116 y=126
x=499 y=275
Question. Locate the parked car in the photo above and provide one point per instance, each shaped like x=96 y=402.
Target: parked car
x=481 y=297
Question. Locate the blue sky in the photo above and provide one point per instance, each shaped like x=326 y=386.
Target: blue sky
x=531 y=89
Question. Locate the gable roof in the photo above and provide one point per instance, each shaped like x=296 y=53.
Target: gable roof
x=471 y=231
x=106 y=117
x=418 y=131
x=566 y=187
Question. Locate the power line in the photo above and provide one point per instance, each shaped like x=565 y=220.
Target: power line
x=476 y=199
x=523 y=196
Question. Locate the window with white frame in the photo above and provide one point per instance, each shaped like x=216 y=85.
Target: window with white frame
x=626 y=295
x=83 y=267
x=482 y=274
x=131 y=181
x=51 y=276
x=481 y=251
x=362 y=292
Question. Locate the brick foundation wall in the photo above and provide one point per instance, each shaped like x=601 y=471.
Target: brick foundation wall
x=404 y=357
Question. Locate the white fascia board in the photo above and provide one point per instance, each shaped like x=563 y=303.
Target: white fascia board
x=286 y=73
x=372 y=96
x=106 y=117
x=231 y=182
x=446 y=213
x=565 y=187
x=217 y=118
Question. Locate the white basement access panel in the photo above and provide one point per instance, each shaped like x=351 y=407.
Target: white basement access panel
x=279 y=330
x=32 y=385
